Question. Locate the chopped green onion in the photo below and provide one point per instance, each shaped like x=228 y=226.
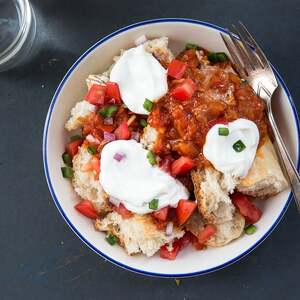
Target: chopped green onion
x=223 y=131
x=67 y=172
x=143 y=123
x=250 y=229
x=222 y=56
x=239 y=146
x=153 y=204
x=213 y=57
x=75 y=137
x=217 y=57
x=67 y=159
x=111 y=239
x=108 y=111
x=92 y=150
x=148 y=105
x=189 y=46
x=151 y=158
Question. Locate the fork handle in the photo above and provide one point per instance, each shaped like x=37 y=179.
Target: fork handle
x=286 y=161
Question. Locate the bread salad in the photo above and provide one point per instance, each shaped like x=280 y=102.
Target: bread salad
x=167 y=151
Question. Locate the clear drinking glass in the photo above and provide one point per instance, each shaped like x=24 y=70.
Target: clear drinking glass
x=17 y=32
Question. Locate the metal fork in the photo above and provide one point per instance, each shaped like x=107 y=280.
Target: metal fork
x=252 y=65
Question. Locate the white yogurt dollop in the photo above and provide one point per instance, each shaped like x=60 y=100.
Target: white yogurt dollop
x=134 y=181
x=219 y=150
x=139 y=76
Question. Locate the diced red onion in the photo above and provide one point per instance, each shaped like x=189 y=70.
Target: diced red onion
x=109 y=136
x=119 y=156
x=108 y=121
x=140 y=40
x=169 y=228
x=91 y=139
x=135 y=136
x=112 y=101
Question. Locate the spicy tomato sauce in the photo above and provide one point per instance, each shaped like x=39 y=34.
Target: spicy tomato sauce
x=221 y=96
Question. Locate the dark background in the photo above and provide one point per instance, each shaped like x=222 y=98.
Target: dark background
x=40 y=257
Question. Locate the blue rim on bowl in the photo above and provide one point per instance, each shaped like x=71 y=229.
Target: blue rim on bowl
x=45 y=160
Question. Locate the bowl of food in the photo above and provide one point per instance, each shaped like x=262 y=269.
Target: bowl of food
x=159 y=156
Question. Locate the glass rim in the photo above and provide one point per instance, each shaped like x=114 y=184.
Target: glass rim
x=25 y=18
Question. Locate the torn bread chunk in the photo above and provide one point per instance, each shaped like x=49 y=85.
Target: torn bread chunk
x=137 y=234
x=212 y=194
x=85 y=183
x=265 y=177
x=159 y=48
x=149 y=137
x=195 y=223
x=227 y=231
x=80 y=111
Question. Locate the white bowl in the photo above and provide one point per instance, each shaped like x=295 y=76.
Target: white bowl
x=72 y=89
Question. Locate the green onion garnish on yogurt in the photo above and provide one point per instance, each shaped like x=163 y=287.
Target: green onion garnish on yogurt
x=148 y=105
x=239 y=146
x=151 y=158
x=153 y=204
x=224 y=131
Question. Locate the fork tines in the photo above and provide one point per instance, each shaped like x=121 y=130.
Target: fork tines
x=244 y=50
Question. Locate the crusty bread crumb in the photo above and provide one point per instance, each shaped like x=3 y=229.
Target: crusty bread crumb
x=265 y=178
x=85 y=184
x=211 y=191
x=81 y=110
x=137 y=234
x=149 y=137
x=159 y=48
x=227 y=231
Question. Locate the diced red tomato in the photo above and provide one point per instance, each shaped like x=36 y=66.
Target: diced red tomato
x=113 y=92
x=161 y=214
x=195 y=242
x=171 y=255
x=166 y=163
x=185 y=90
x=123 y=211
x=217 y=121
x=72 y=147
x=182 y=165
x=86 y=208
x=122 y=132
x=206 y=233
x=96 y=94
x=176 y=68
x=251 y=213
x=184 y=210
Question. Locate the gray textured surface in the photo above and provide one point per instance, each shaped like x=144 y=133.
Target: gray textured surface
x=40 y=258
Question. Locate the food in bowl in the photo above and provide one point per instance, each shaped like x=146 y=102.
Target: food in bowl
x=170 y=151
